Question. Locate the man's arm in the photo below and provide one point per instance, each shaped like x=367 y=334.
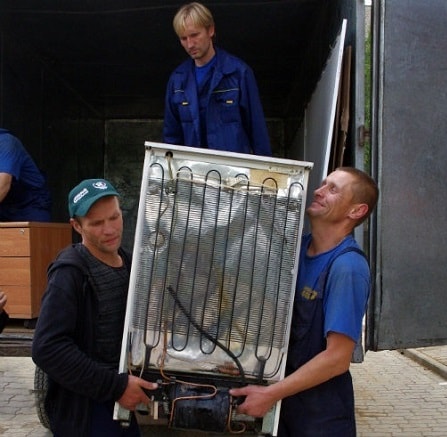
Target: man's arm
x=60 y=347
x=3 y=300
x=331 y=362
x=254 y=119
x=134 y=393
x=5 y=185
x=3 y=314
x=172 y=128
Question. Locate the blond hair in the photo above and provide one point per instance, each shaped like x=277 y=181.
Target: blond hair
x=200 y=16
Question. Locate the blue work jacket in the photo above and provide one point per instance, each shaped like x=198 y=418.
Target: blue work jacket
x=234 y=115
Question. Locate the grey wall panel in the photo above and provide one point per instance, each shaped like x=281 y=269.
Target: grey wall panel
x=411 y=134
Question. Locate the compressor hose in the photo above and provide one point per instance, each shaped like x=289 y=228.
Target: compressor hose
x=208 y=336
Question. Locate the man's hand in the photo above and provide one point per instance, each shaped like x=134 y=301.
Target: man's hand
x=257 y=401
x=134 y=394
x=3 y=299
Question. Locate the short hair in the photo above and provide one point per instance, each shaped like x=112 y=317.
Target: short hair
x=199 y=14
x=364 y=189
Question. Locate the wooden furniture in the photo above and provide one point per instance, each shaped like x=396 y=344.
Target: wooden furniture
x=26 y=250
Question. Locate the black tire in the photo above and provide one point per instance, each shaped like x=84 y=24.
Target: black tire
x=40 y=393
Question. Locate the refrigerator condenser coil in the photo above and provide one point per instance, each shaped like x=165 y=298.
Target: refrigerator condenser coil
x=212 y=282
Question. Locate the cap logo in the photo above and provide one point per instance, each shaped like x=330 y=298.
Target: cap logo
x=80 y=195
x=100 y=185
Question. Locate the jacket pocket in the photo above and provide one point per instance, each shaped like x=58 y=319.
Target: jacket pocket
x=183 y=106
x=227 y=102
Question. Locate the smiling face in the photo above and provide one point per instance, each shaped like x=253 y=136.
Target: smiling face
x=333 y=201
x=197 y=41
x=102 y=228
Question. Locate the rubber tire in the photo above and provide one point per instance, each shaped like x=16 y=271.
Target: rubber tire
x=40 y=393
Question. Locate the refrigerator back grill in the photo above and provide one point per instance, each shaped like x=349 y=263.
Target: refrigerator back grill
x=215 y=262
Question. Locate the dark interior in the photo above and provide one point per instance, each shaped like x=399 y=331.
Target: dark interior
x=116 y=55
x=81 y=79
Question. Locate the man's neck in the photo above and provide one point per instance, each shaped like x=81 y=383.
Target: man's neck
x=207 y=58
x=326 y=239
x=112 y=259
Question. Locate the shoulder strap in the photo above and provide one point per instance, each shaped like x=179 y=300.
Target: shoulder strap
x=325 y=273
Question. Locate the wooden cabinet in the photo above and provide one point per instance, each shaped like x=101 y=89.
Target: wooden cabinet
x=26 y=250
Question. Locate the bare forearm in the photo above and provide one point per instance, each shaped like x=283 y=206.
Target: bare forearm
x=5 y=185
x=320 y=369
x=327 y=364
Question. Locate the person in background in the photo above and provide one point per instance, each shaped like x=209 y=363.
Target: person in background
x=212 y=99
x=24 y=195
x=3 y=314
x=330 y=301
x=78 y=336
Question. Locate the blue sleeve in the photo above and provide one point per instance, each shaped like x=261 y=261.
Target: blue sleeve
x=11 y=155
x=172 y=127
x=347 y=294
x=253 y=115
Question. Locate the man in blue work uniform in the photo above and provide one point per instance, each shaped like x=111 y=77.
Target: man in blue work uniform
x=212 y=99
x=330 y=301
x=24 y=195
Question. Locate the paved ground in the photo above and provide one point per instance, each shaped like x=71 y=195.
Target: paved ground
x=395 y=396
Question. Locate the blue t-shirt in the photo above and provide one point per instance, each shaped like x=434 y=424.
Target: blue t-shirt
x=347 y=287
x=204 y=70
x=28 y=198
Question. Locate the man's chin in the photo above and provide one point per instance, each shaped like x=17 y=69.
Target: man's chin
x=315 y=210
x=112 y=246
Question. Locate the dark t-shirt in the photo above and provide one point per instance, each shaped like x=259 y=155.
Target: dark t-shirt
x=111 y=284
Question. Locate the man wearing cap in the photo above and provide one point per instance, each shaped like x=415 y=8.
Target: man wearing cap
x=77 y=340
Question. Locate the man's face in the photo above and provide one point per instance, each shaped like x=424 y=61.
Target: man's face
x=102 y=228
x=334 y=199
x=197 y=41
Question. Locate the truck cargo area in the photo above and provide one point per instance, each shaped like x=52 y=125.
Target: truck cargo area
x=83 y=83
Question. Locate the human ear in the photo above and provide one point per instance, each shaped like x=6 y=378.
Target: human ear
x=76 y=225
x=358 y=211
